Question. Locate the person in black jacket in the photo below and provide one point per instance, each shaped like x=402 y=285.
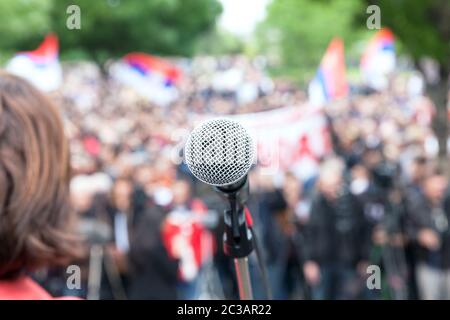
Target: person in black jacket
x=153 y=274
x=416 y=174
x=336 y=237
x=427 y=224
x=285 y=213
x=384 y=211
x=136 y=263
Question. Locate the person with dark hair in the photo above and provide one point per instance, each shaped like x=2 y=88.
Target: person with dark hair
x=427 y=225
x=36 y=228
x=152 y=270
x=416 y=170
x=286 y=214
x=136 y=263
x=336 y=237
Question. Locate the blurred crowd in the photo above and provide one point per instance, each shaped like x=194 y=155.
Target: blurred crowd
x=151 y=231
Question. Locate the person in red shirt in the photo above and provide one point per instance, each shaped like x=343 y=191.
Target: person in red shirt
x=37 y=226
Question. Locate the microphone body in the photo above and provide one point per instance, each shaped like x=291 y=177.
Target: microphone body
x=220 y=152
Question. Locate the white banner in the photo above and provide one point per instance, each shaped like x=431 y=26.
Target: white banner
x=290 y=138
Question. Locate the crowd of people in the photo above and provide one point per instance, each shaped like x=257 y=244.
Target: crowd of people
x=151 y=231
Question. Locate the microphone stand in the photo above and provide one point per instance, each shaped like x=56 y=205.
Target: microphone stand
x=237 y=239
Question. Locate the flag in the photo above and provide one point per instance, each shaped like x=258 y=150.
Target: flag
x=41 y=67
x=378 y=60
x=330 y=82
x=152 y=77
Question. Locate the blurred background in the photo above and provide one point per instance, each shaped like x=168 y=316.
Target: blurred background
x=347 y=102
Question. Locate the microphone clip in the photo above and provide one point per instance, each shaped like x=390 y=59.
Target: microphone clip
x=237 y=240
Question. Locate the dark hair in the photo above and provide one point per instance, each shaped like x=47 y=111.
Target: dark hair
x=35 y=216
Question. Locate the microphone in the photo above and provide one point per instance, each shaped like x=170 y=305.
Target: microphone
x=220 y=152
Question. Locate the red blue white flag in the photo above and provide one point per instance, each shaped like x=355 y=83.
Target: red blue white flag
x=330 y=81
x=41 y=66
x=153 y=77
x=379 y=60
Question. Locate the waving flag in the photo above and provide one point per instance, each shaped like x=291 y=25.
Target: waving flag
x=151 y=76
x=41 y=66
x=378 y=60
x=330 y=82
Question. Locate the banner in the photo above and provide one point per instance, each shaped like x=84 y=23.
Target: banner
x=290 y=138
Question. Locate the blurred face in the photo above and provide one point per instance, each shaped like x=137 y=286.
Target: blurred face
x=329 y=186
x=418 y=171
x=291 y=190
x=434 y=188
x=81 y=201
x=122 y=194
x=359 y=172
x=107 y=154
x=144 y=175
x=359 y=179
x=181 y=193
x=165 y=170
x=372 y=158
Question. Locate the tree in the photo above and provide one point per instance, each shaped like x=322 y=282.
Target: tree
x=299 y=32
x=109 y=27
x=423 y=27
x=301 y=29
x=23 y=23
x=220 y=42
x=114 y=27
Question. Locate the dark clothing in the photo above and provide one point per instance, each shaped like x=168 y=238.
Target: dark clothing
x=421 y=214
x=337 y=283
x=282 y=252
x=378 y=210
x=381 y=212
x=337 y=240
x=411 y=189
x=153 y=274
x=105 y=211
x=275 y=243
x=337 y=232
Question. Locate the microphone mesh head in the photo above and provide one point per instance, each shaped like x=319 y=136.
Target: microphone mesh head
x=219 y=152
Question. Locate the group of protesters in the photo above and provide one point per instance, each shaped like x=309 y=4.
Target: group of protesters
x=378 y=203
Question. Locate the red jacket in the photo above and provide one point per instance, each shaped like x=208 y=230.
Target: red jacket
x=25 y=288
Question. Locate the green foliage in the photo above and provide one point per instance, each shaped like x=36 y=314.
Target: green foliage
x=23 y=22
x=109 y=27
x=298 y=32
x=117 y=26
x=218 y=42
x=422 y=26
